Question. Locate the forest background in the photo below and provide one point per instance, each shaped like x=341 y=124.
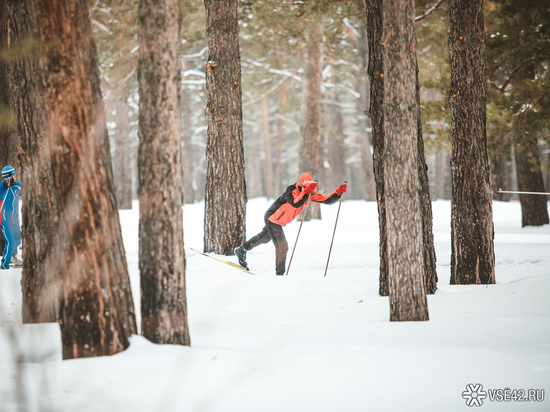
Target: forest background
x=273 y=38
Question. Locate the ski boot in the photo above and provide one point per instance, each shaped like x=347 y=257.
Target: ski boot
x=240 y=252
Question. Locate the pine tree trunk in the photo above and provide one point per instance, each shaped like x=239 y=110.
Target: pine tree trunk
x=401 y=179
x=40 y=281
x=336 y=151
x=534 y=208
x=268 y=164
x=281 y=141
x=430 y=270
x=310 y=144
x=123 y=170
x=96 y=312
x=376 y=76
x=376 y=113
x=189 y=195
x=161 y=254
x=364 y=122
x=472 y=251
x=225 y=196
x=499 y=177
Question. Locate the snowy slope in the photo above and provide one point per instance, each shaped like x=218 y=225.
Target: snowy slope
x=305 y=342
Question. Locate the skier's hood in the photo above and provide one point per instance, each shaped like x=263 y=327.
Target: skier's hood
x=305 y=179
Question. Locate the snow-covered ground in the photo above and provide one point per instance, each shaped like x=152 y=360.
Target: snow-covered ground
x=305 y=342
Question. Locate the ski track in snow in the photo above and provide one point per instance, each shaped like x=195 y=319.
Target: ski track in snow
x=305 y=342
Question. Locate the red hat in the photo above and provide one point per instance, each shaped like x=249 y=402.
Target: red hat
x=306 y=178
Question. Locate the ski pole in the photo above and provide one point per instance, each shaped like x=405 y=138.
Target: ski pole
x=524 y=193
x=334 y=232
x=303 y=217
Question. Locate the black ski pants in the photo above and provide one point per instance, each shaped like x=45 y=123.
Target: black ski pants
x=274 y=232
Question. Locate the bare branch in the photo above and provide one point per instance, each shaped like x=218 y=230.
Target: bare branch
x=430 y=11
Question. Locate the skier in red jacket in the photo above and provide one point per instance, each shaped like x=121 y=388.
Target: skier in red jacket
x=284 y=210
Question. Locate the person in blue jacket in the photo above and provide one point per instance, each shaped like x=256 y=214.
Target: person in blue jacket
x=9 y=207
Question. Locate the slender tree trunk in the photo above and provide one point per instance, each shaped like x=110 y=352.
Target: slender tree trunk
x=161 y=254
x=281 y=140
x=336 y=151
x=401 y=180
x=430 y=271
x=123 y=170
x=441 y=173
x=310 y=145
x=96 y=310
x=499 y=177
x=534 y=208
x=225 y=197
x=472 y=251
x=189 y=195
x=364 y=122
x=268 y=165
x=376 y=76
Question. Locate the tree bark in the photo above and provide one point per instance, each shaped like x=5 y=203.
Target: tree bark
x=534 y=208
x=161 y=253
x=376 y=76
x=225 y=196
x=364 y=122
x=401 y=178
x=310 y=144
x=123 y=170
x=430 y=270
x=40 y=282
x=96 y=312
x=268 y=164
x=472 y=250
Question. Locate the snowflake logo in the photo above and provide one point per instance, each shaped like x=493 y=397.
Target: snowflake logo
x=474 y=394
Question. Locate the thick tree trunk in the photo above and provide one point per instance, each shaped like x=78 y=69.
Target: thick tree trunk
x=40 y=282
x=401 y=179
x=281 y=141
x=189 y=195
x=225 y=197
x=376 y=76
x=123 y=170
x=310 y=144
x=96 y=310
x=364 y=122
x=472 y=250
x=268 y=164
x=534 y=208
x=161 y=254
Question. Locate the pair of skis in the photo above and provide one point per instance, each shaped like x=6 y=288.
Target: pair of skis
x=234 y=265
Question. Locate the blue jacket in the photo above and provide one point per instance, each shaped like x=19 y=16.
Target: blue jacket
x=9 y=196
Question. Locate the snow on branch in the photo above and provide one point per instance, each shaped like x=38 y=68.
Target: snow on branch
x=193 y=56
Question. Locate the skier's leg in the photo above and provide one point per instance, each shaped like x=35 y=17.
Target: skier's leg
x=260 y=238
x=8 y=240
x=281 y=247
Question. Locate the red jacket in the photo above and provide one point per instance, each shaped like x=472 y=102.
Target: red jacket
x=285 y=209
